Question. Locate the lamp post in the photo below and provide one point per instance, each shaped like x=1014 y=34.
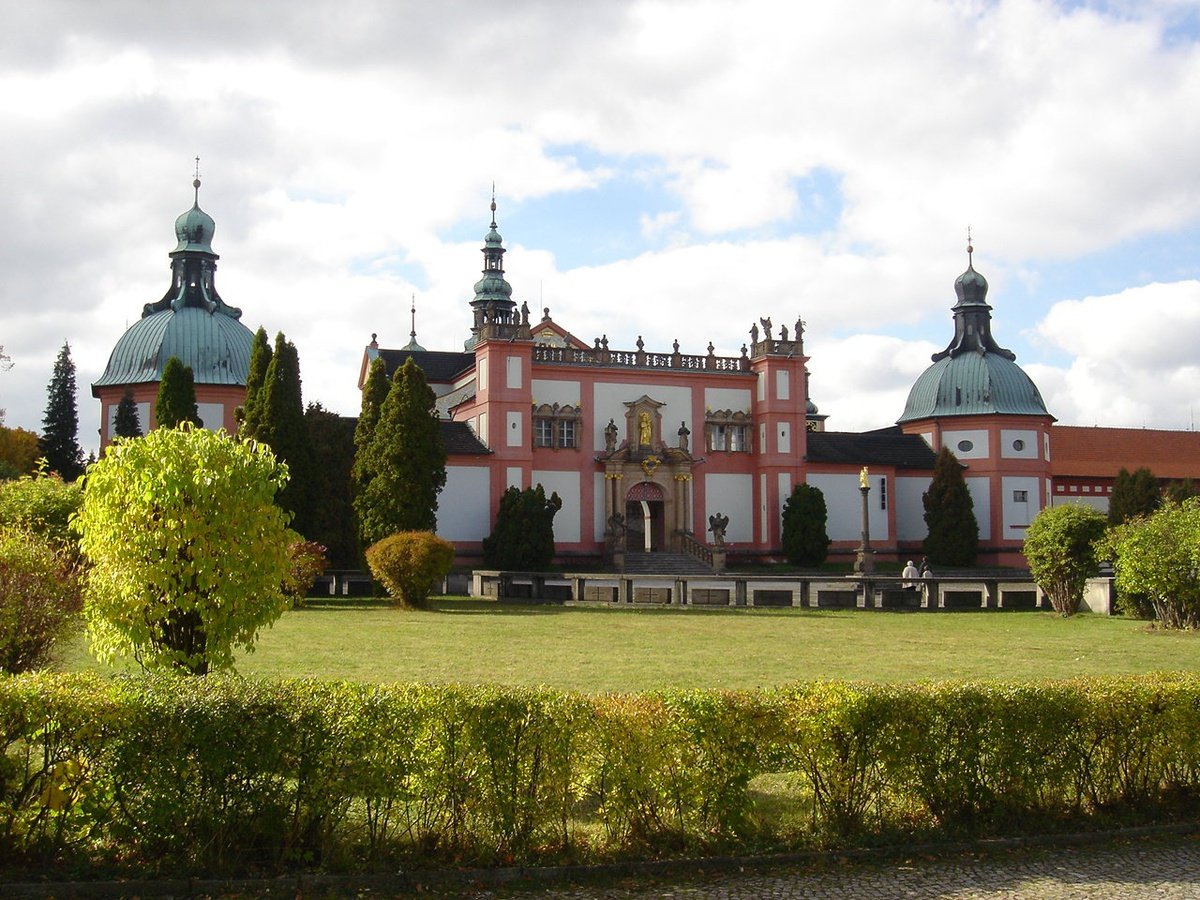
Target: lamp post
x=864 y=560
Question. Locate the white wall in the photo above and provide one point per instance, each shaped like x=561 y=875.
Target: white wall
x=981 y=496
x=843 y=500
x=463 y=506
x=732 y=495
x=566 y=484
x=143 y=414
x=561 y=392
x=1017 y=514
x=1028 y=441
x=608 y=402
x=978 y=438
x=211 y=414
x=910 y=508
x=732 y=399
x=514 y=431
x=599 y=485
x=512 y=378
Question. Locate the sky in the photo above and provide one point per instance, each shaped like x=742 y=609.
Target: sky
x=669 y=170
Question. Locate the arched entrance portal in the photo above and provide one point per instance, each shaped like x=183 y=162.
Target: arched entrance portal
x=644 y=518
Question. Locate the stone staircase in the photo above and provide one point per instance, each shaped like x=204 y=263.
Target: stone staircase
x=664 y=564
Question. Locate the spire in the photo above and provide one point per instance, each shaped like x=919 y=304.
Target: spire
x=412 y=345
x=493 y=294
x=972 y=315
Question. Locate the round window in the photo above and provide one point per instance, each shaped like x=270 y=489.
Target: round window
x=966 y=446
x=1018 y=444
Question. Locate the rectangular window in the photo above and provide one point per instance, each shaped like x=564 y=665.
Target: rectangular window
x=1020 y=496
x=566 y=433
x=543 y=433
x=737 y=438
x=883 y=493
x=718 y=437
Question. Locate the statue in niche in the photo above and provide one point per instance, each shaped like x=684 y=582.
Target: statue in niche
x=610 y=436
x=644 y=430
x=717 y=524
x=683 y=436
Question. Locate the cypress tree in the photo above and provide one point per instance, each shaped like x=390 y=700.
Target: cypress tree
x=805 y=516
x=282 y=427
x=953 y=532
x=375 y=391
x=176 y=401
x=405 y=461
x=523 y=536
x=126 y=423
x=60 y=424
x=250 y=416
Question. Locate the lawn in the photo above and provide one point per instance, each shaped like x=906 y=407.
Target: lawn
x=607 y=649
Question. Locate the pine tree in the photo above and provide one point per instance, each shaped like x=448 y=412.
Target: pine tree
x=1133 y=495
x=176 y=402
x=405 y=461
x=953 y=532
x=126 y=423
x=333 y=525
x=805 y=516
x=60 y=424
x=250 y=416
x=280 y=407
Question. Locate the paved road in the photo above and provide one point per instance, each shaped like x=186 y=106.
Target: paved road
x=1163 y=868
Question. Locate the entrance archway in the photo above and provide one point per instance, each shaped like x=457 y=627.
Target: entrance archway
x=645 y=518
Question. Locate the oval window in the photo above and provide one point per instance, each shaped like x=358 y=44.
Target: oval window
x=966 y=446
x=1018 y=444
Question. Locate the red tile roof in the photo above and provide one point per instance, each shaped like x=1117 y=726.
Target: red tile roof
x=1102 y=452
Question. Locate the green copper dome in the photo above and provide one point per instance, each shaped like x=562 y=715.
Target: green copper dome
x=974 y=375
x=191 y=321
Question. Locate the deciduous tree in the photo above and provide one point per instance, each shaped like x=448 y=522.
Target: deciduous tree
x=188 y=549
x=1061 y=548
x=19 y=450
x=805 y=516
x=1158 y=556
x=176 y=402
x=60 y=424
x=405 y=463
x=953 y=532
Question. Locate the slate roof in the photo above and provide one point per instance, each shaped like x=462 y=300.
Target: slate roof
x=438 y=365
x=1103 y=452
x=884 y=447
x=457 y=438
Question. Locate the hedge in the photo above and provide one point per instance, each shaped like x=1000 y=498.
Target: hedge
x=223 y=775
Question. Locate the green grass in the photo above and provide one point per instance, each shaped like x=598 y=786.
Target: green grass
x=606 y=649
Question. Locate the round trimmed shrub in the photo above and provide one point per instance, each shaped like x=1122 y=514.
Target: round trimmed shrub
x=409 y=564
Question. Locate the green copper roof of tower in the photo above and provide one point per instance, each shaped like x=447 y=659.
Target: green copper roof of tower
x=974 y=375
x=191 y=321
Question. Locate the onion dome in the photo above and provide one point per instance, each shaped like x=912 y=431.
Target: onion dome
x=191 y=321
x=493 y=294
x=974 y=375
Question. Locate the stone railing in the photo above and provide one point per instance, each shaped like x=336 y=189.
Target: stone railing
x=698 y=550
x=640 y=359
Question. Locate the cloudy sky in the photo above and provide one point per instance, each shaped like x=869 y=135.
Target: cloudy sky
x=667 y=169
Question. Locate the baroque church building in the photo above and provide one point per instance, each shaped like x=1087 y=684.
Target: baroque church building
x=647 y=447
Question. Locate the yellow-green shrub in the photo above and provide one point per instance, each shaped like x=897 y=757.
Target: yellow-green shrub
x=409 y=564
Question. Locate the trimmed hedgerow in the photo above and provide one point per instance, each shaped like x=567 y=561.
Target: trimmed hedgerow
x=227 y=775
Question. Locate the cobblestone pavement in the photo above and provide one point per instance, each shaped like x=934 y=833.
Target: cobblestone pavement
x=1163 y=868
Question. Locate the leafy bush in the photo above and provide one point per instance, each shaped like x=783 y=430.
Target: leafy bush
x=307 y=565
x=1159 y=555
x=39 y=597
x=410 y=564
x=41 y=504
x=1061 y=546
x=225 y=774
x=203 y=569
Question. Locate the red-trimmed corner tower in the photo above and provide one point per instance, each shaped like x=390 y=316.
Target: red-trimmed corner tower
x=979 y=403
x=190 y=322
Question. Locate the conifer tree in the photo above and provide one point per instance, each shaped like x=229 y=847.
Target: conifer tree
x=280 y=408
x=60 y=424
x=953 y=532
x=251 y=415
x=1133 y=495
x=805 y=515
x=405 y=461
x=332 y=521
x=126 y=423
x=375 y=391
x=523 y=537
x=176 y=402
